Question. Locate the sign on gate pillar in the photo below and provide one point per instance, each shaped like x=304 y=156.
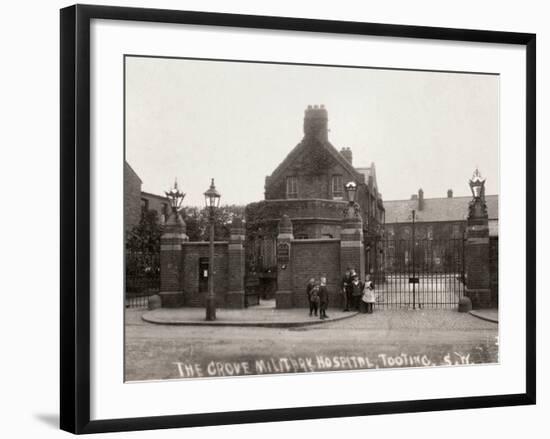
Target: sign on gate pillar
x=283 y=296
x=478 y=277
x=171 y=270
x=235 y=297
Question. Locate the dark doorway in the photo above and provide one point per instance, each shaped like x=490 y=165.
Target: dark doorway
x=203 y=275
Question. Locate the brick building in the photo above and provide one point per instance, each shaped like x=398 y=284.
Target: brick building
x=440 y=231
x=308 y=187
x=157 y=203
x=132 y=196
x=435 y=218
x=137 y=201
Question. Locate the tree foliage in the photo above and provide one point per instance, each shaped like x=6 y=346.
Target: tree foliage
x=197 y=221
x=145 y=237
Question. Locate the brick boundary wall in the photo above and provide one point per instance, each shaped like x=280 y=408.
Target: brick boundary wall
x=315 y=258
x=191 y=254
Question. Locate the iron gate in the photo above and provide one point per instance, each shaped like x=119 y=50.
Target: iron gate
x=426 y=273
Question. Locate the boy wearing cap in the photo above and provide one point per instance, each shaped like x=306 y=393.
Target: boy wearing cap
x=323 y=299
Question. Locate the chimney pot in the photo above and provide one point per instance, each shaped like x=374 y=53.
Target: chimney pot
x=348 y=155
x=316 y=122
x=420 y=199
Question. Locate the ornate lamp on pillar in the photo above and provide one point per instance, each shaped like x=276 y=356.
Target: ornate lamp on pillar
x=478 y=206
x=477 y=246
x=173 y=235
x=212 y=201
x=175 y=197
x=352 y=210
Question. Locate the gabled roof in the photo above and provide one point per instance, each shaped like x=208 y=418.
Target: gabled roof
x=300 y=147
x=151 y=195
x=436 y=209
x=128 y=168
x=369 y=172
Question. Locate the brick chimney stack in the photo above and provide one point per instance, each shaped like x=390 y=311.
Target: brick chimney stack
x=420 y=199
x=316 y=122
x=450 y=193
x=348 y=155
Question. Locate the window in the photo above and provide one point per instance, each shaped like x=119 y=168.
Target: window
x=144 y=205
x=337 y=186
x=456 y=230
x=291 y=187
x=430 y=233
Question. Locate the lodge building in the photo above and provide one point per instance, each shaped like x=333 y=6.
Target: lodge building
x=308 y=187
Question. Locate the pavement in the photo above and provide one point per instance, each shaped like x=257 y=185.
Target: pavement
x=265 y=315
x=435 y=337
x=490 y=315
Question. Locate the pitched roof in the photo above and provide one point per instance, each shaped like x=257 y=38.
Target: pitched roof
x=369 y=172
x=436 y=209
x=128 y=168
x=151 y=195
x=296 y=151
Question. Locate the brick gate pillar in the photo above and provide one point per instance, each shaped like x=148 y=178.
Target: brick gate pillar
x=352 y=251
x=235 y=292
x=171 y=261
x=476 y=258
x=283 y=295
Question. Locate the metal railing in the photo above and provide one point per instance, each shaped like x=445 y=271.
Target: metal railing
x=426 y=273
x=142 y=278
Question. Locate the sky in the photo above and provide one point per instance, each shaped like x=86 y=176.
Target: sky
x=233 y=121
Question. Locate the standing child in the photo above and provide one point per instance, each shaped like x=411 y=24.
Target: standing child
x=368 y=295
x=323 y=299
x=309 y=288
x=356 y=291
x=346 y=281
x=314 y=300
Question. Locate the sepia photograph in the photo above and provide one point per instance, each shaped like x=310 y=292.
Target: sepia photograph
x=294 y=218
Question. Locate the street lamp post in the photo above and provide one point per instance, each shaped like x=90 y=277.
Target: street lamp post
x=212 y=201
x=413 y=279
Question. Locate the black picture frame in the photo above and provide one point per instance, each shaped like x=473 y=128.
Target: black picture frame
x=75 y=217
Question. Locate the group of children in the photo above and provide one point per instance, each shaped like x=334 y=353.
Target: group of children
x=358 y=296
x=317 y=296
